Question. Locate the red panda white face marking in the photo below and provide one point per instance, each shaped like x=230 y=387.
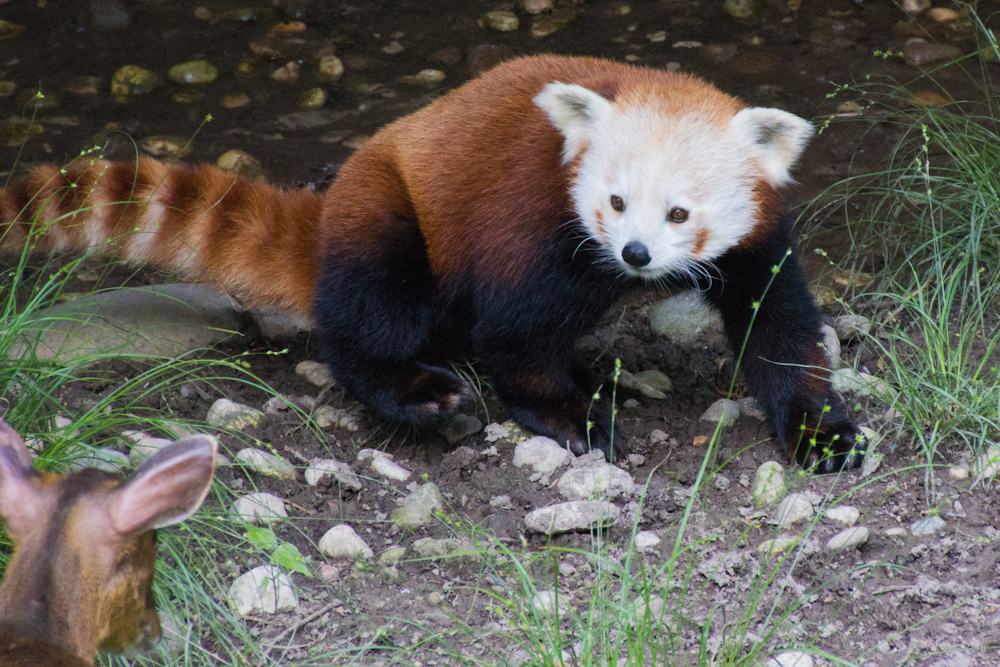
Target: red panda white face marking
x=678 y=184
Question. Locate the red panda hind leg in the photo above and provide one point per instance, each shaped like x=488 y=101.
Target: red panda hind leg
x=376 y=311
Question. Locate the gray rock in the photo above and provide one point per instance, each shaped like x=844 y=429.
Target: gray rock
x=792 y=509
x=391 y=556
x=418 y=508
x=429 y=547
x=790 y=659
x=146 y=447
x=263 y=589
x=777 y=546
x=919 y=53
x=768 y=483
x=133 y=80
x=259 y=508
x=343 y=542
x=928 y=525
x=550 y=603
x=384 y=466
x=656 y=379
x=155 y=321
x=104 y=458
x=502 y=21
x=987 y=464
x=723 y=410
x=110 y=15
x=598 y=481
x=573 y=515
x=627 y=380
x=277 y=323
x=684 y=318
x=852 y=327
x=543 y=454
x=850 y=537
x=645 y=540
x=843 y=514
x=265 y=463
x=194 y=71
x=850 y=380
x=831 y=344
x=460 y=427
x=750 y=408
x=317 y=373
x=227 y=414
x=342 y=472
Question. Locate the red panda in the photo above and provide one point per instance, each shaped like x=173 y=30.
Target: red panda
x=499 y=223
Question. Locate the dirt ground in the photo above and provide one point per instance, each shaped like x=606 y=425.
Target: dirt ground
x=897 y=599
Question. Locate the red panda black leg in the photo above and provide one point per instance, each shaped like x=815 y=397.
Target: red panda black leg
x=782 y=361
x=375 y=311
x=552 y=394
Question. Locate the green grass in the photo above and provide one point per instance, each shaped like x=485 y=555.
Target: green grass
x=928 y=225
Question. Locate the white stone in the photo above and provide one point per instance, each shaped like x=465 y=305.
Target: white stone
x=265 y=463
x=502 y=21
x=793 y=508
x=723 y=410
x=927 y=526
x=319 y=468
x=751 y=408
x=844 y=514
x=646 y=540
x=368 y=453
x=342 y=542
x=460 y=427
x=572 y=515
x=790 y=659
x=598 y=481
x=265 y=589
x=145 y=448
x=849 y=537
x=850 y=380
x=988 y=463
x=419 y=507
x=259 y=508
x=768 y=483
x=916 y=6
x=684 y=318
x=550 y=603
x=227 y=414
x=831 y=345
x=543 y=454
x=852 y=327
x=104 y=458
x=777 y=546
x=389 y=469
x=315 y=372
x=958 y=472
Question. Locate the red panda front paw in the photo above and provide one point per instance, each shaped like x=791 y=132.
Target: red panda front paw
x=432 y=394
x=832 y=447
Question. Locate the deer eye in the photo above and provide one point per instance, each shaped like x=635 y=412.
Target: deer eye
x=617 y=203
x=677 y=214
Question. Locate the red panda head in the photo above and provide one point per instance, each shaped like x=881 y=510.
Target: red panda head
x=667 y=177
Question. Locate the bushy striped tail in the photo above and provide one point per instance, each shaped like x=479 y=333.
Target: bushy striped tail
x=257 y=241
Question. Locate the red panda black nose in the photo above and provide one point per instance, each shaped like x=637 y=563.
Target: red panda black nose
x=636 y=254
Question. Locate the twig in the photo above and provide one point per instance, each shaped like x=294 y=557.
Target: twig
x=308 y=619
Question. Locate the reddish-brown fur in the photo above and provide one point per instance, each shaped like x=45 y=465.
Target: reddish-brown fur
x=264 y=244
x=81 y=575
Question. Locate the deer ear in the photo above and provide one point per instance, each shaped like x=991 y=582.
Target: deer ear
x=20 y=501
x=577 y=113
x=775 y=136
x=166 y=489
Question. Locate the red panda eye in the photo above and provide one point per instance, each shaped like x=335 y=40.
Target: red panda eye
x=678 y=214
x=617 y=203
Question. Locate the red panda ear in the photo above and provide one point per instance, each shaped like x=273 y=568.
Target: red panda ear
x=575 y=111
x=775 y=136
